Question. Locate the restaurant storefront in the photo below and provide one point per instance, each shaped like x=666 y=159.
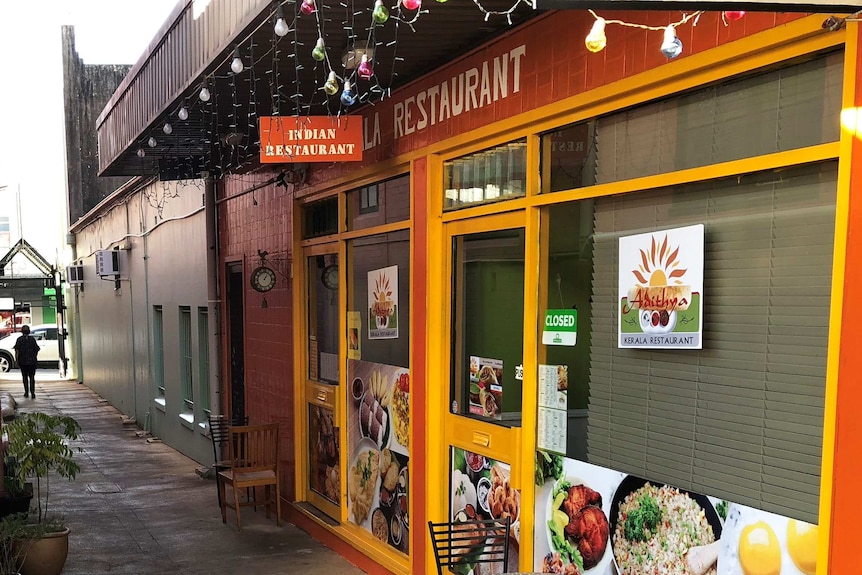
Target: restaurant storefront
x=720 y=175
x=605 y=295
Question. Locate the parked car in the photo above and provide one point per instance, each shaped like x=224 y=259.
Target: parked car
x=49 y=352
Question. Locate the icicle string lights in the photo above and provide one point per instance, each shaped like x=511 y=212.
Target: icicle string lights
x=229 y=139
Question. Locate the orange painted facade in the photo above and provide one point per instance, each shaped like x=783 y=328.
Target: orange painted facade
x=546 y=64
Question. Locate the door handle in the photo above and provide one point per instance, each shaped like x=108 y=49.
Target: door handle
x=482 y=439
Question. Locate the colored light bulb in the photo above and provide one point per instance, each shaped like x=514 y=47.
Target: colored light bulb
x=183 y=114
x=141 y=153
x=331 y=85
x=380 y=14
x=167 y=128
x=307 y=7
x=671 y=47
x=733 y=14
x=319 y=52
x=596 y=39
x=348 y=96
x=412 y=4
x=204 y=94
x=364 y=70
x=152 y=142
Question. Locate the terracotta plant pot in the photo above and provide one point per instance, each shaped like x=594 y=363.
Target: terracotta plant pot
x=47 y=555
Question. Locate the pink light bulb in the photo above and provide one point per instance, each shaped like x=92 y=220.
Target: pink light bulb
x=734 y=14
x=412 y=4
x=364 y=70
x=307 y=7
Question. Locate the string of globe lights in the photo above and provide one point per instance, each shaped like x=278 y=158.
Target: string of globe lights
x=339 y=92
x=671 y=45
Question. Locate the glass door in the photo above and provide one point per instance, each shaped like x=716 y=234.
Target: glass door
x=322 y=395
x=486 y=356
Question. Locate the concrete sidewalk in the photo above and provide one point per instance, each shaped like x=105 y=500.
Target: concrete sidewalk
x=139 y=507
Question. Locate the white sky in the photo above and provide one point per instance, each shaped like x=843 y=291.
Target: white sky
x=32 y=149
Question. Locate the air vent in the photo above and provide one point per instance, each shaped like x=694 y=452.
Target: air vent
x=75 y=274
x=107 y=263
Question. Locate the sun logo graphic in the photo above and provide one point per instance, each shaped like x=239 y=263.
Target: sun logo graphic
x=660 y=290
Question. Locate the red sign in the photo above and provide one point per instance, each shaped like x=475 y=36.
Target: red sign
x=310 y=139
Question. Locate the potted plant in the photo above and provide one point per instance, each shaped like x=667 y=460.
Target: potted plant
x=39 y=444
x=16 y=538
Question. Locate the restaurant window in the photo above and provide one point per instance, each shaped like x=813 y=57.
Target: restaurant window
x=492 y=175
x=488 y=325
x=378 y=374
x=320 y=219
x=784 y=109
x=381 y=203
x=323 y=318
x=742 y=418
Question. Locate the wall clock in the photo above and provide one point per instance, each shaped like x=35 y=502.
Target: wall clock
x=263 y=279
x=330 y=277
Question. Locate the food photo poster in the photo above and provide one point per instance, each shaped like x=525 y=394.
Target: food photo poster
x=590 y=520
x=481 y=489
x=486 y=387
x=378 y=436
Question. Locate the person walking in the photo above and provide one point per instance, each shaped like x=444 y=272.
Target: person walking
x=26 y=353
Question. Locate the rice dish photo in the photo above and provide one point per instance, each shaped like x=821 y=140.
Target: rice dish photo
x=655 y=528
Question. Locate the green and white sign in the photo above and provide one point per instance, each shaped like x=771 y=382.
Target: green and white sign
x=561 y=327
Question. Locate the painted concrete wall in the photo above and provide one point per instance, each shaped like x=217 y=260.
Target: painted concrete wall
x=162 y=229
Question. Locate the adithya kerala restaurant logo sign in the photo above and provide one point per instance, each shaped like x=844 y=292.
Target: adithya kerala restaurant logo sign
x=661 y=289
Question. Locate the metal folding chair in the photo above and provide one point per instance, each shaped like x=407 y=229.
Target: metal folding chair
x=472 y=542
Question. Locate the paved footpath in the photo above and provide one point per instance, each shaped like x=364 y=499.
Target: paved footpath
x=140 y=508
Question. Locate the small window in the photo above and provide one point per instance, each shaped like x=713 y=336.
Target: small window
x=320 y=219
x=204 y=358
x=158 y=350
x=368 y=199
x=186 y=357
x=495 y=174
x=385 y=202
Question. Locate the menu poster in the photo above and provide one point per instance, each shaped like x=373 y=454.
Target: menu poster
x=605 y=522
x=378 y=439
x=553 y=414
x=354 y=341
x=481 y=490
x=383 y=303
x=486 y=387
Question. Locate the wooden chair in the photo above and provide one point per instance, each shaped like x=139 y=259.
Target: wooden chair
x=476 y=541
x=253 y=457
x=219 y=425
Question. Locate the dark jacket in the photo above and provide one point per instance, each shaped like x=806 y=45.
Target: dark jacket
x=27 y=349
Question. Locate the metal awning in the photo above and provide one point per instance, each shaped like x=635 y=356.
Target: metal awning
x=280 y=77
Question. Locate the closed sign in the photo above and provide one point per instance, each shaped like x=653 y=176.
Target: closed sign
x=561 y=327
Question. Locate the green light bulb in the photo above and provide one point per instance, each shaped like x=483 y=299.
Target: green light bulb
x=380 y=13
x=319 y=52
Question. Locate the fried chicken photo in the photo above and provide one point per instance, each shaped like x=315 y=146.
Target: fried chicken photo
x=579 y=497
x=590 y=528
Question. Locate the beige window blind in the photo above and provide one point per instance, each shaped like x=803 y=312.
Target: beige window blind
x=741 y=419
